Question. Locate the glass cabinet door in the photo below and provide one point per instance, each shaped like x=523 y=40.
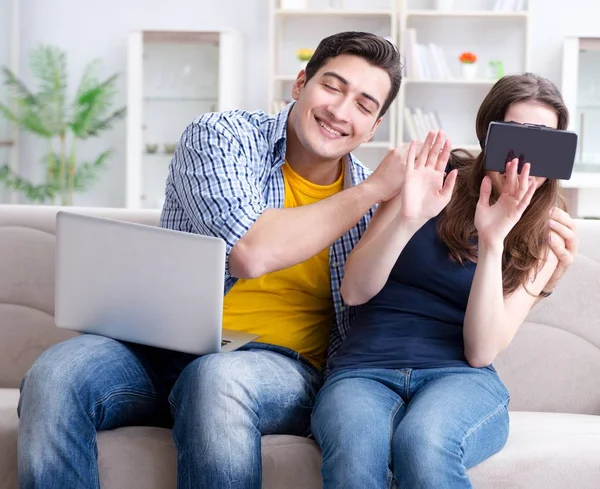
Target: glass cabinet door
x=587 y=114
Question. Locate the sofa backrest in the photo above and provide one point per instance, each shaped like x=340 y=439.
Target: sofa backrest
x=27 y=236
x=553 y=364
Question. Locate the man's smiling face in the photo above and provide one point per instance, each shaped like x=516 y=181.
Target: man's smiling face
x=338 y=108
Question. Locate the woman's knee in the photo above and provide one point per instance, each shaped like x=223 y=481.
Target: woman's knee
x=350 y=413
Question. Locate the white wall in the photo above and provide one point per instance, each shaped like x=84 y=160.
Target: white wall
x=90 y=30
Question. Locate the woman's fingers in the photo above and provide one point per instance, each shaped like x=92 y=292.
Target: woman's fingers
x=524 y=202
x=444 y=156
x=523 y=181
x=436 y=149
x=511 y=183
x=485 y=191
x=424 y=155
x=410 y=157
x=449 y=183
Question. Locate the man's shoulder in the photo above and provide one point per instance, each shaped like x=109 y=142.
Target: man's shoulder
x=237 y=122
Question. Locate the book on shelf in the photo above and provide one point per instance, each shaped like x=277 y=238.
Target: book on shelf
x=509 y=5
x=419 y=122
x=424 y=61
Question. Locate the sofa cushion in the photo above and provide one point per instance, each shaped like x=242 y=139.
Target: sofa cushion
x=544 y=451
x=145 y=458
x=8 y=438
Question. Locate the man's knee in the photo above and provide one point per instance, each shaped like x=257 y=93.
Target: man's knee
x=63 y=369
x=210 y=376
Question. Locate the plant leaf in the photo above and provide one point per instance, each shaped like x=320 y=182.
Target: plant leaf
x=87 y=173
x=97 y=126
x=17 y=87
x=90 y=109
x=43 y=193
x=49 y=66
x=27 y=106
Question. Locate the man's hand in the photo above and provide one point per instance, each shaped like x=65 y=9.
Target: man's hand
x=564 y=243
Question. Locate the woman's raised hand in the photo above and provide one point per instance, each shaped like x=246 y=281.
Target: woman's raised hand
x=425 y=192
x=494 y=222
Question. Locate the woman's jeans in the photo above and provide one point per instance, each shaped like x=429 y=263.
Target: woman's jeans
x=422 y=428
x=218 y=405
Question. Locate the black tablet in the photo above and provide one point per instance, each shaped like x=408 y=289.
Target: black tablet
x=551 y=152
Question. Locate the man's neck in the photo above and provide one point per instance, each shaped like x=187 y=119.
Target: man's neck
x=317 y=172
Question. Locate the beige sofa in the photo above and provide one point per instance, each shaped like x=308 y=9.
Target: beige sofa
x=552 y=370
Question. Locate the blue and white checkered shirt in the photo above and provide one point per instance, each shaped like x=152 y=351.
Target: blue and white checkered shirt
x=227 y=170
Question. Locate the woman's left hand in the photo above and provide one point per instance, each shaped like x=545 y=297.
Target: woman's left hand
x=494 y=222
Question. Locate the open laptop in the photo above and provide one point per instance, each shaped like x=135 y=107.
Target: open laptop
x=142 y=284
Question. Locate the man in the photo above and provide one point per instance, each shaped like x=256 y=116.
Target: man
x=290 y=202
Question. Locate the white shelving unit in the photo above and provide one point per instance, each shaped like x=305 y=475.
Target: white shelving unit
x=173 y=77
x=471 y=25
x=9 y=133
x=292 y=29
x=465 y=13
x=581 y=92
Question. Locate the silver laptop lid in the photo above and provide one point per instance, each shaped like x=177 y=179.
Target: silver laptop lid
x=139 y=283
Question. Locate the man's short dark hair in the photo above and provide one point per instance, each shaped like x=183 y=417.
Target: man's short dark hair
x=374 y=49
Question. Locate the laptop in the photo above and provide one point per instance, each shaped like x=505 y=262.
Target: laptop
x=142 y=284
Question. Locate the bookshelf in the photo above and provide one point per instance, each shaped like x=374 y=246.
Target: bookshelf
x=466 y=13
x=450 y=100
x=435 y=93
x=304 y=27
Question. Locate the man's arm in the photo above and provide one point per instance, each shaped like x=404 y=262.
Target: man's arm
x=281 y=238
x=221 y=196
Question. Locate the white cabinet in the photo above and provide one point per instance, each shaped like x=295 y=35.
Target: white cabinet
x=581 y=92
x=173 y=77
x=301 y=25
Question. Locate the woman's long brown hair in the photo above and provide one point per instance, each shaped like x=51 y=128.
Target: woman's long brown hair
x=527 y=243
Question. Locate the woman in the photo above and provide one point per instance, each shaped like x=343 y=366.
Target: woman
x=443 y=278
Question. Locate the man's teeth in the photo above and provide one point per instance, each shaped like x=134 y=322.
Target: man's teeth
x=329 y=129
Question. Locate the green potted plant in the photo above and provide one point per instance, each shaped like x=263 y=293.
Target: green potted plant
x=48 y=113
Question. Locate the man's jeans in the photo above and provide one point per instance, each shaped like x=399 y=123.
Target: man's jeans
x=423 y=428
x=218 y=405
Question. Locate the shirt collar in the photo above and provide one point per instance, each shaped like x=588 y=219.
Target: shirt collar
x=278 y=139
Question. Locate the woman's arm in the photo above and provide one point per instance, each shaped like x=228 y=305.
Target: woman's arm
x=424 y=195
x=370 y=262
x=491 y=320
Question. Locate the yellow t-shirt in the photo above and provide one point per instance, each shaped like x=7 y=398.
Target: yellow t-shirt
x=291 y=307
